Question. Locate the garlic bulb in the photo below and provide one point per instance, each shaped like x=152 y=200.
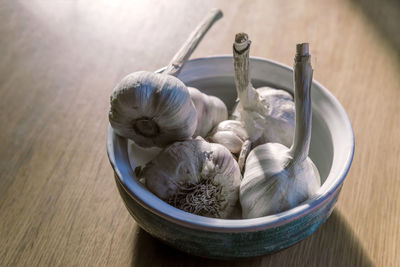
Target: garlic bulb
x=267 y=113
x=155 y=109
x=152 y=109
x=195 y=176
x=278 y=178
x=210 y=111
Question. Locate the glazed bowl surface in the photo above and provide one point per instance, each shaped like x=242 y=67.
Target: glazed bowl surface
x=332 y=149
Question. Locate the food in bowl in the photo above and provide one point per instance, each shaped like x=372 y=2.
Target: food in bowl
x=203 y=178
x=331 y=149
x=195 y=234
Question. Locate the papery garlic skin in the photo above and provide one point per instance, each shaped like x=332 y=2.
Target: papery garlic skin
x=244 y=151
x=268 y=187
x=229 y=133
x=195 y=164
x=152 y=109
x=233 y=135
x=210 y=111
x=278 y=178
x=276 y=123
x=267 y=113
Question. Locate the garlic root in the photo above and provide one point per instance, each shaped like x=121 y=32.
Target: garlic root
x=278 y=178
x=155 y=109
x=267 y=113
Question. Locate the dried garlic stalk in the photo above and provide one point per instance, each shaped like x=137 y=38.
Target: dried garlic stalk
x=267 y=113
x=278 y=178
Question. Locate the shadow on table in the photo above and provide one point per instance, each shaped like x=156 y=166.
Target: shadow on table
x=333 y=244
x=385 y=15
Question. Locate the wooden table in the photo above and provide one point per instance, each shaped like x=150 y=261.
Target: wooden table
x=59 y=61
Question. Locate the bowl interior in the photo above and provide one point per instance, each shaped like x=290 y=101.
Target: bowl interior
x=331 y=149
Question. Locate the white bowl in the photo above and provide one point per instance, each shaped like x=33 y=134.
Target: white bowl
x=332 y=148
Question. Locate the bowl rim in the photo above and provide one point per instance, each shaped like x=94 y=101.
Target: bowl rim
x=137 y=192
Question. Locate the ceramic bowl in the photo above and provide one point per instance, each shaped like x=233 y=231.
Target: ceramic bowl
x=332 y=148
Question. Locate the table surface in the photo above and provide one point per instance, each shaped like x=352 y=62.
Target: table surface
x=59 y=61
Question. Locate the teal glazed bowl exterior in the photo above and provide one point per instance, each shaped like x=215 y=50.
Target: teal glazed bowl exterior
x=332 y=149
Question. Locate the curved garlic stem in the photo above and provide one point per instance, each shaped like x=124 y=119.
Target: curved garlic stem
x=302 y=96
x=176 y=64
x=246 y=147
x=248 y=96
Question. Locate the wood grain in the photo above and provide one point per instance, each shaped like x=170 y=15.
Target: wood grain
x=59 y=61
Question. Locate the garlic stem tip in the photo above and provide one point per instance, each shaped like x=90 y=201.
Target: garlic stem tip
x=241 y=37
x=302 y=49
x=217 y=13
x=242 y=42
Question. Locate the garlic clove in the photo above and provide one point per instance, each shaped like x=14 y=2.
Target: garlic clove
x=268 y=114
x=278 y=178
x=232 y=135
x=210 y=111
x=228 y=139
x=195 y=176
x=229 y=133
x=234 y=126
